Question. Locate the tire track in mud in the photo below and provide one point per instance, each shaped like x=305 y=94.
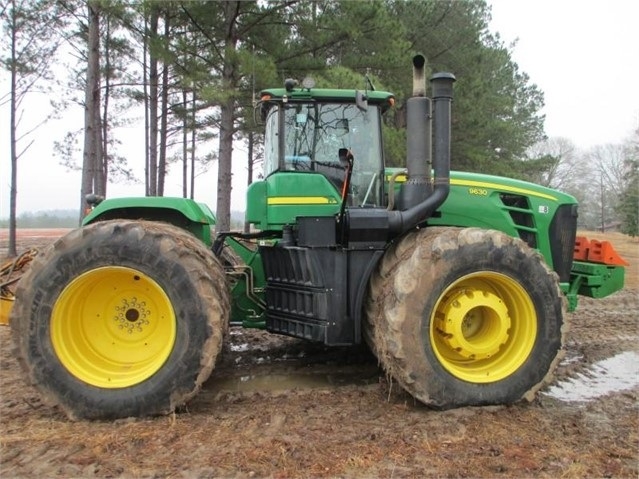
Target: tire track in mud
x=611 y=321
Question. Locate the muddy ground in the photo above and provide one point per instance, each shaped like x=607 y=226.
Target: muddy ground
x=278 y=407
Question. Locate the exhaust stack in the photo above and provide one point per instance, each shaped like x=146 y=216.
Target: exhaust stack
x=419 y=75
x=418 y=140
x=418 y=199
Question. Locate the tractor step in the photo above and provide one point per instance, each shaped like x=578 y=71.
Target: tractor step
x=305 y=329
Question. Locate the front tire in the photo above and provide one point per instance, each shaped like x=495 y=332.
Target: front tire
x=121 y=318
x=465 y=317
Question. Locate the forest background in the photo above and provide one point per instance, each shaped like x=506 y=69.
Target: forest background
x=191 y=72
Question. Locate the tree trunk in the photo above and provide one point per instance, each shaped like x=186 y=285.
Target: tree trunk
x=145 y=86
x=153 y=108
x=91 y=108
x=185 y=144
x=164 y=117
x=227 y=120
x=224 y=172
x=193 y=128
x=12 y=250
x=103 y=169
x=251 y=141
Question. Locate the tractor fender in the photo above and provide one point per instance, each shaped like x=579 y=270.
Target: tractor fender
x=186 y=213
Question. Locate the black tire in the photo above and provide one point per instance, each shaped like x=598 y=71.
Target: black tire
x=121 y=318
x=465 y=317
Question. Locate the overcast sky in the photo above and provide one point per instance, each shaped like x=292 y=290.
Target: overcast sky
x=583 y=54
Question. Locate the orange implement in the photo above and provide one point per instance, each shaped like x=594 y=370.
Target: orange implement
x=597 y=252
x=581 y=248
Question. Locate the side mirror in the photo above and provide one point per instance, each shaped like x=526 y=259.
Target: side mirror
x=361 y=100
x=93 y=200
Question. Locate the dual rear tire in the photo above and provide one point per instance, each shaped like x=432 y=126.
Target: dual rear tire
x=465 y=317
x=121 y=318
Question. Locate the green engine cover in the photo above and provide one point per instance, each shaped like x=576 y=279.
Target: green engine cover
x=517 y=208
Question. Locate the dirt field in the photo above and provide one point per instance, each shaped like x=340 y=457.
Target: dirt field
x=278 y=407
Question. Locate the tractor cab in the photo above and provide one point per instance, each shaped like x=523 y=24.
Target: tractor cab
x=322 y=149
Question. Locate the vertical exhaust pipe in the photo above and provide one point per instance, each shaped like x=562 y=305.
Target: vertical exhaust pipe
x=419 y=75
x=442 y=92
x=418 y=140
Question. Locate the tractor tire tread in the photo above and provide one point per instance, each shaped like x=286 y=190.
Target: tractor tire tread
x=197 y=265
x=400 y=272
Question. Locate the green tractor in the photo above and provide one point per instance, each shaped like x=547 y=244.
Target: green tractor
x=458 y=282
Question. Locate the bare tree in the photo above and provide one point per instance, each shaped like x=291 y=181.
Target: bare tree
x=561 y=172
x=609 y=164
x=31 y=30
x=589 y=176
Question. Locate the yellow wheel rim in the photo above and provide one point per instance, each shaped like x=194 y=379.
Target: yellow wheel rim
x=113 y=327
x=483 y=327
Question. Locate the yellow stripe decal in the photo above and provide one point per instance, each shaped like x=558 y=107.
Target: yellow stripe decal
x=300 y=200
x=482 y=184
x=399 y=179
x=496 y=186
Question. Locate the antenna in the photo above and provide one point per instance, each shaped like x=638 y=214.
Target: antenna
x=369 y=83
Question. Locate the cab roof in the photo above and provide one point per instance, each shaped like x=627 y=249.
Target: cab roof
x=326 y=95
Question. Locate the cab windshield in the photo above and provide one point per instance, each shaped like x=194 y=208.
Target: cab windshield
x=313 y=134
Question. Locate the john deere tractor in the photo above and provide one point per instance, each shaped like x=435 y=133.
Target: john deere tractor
x=457 y=281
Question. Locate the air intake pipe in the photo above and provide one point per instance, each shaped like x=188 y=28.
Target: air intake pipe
x=418 y=200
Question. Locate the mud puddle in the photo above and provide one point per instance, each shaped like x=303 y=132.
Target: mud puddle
x=360 y=376
x=615 y=374
x=257 y=361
